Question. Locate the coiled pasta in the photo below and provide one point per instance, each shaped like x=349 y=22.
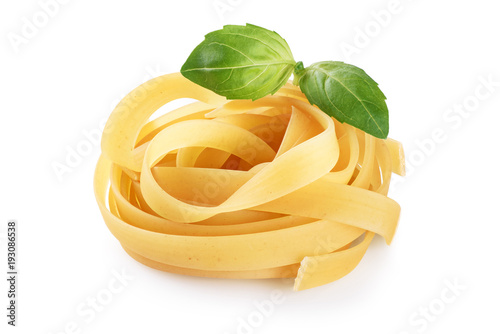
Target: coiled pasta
x=243 y=189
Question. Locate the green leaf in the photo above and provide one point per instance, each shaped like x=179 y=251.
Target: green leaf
x=241 y=62
x=347 y=93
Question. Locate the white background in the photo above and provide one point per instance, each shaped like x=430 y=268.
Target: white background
x=65 y=78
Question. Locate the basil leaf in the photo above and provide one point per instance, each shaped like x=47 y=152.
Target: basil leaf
x=240 y=62
x=347 y=93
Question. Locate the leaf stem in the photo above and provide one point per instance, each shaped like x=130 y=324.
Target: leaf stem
x=298 y=72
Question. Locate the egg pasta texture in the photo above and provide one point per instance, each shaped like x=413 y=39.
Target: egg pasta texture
x=243 y=189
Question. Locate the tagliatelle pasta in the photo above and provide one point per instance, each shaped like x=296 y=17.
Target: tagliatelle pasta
x=243 y=189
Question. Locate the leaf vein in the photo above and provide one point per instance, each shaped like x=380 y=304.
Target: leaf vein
x=237 y=67
x=246 y=85
x=232 y=48
x=257 y=39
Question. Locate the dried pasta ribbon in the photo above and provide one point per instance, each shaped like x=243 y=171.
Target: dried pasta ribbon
x=243 y=189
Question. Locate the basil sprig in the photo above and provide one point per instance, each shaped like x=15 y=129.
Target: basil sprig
x=250 y=62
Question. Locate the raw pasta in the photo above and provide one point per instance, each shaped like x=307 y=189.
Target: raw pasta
x=243 y=189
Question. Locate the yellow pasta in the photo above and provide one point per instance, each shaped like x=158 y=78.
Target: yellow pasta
x=243 y=189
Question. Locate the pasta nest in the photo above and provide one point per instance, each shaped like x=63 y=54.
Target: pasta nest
x=243 y=189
